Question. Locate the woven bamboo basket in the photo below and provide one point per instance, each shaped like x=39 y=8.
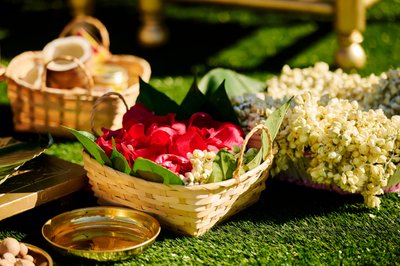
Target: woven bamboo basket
x=42 y=109
x=188 y=210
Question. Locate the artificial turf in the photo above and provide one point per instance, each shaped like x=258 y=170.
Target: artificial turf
x=290 y=225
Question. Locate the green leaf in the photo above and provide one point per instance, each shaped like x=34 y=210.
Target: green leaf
x=236 y=84
x=394 y=179
x=155 y=100
x=249 y=155
x=17 y=153
x=194 y=101
x=215 y=103
x=256 y=160
x=264 y=144
x=223 y=166
x=87 y=140
x=151 y=171
x=118 y=160
x=274 y=121
x=220 y=102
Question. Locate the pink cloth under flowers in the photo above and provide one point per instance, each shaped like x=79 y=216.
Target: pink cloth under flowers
x=167 y=141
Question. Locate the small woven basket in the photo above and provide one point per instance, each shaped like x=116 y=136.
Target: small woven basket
x=189 y=210
x=39 y=108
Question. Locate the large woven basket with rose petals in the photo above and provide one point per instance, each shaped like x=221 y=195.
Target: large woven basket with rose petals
x=189 y=210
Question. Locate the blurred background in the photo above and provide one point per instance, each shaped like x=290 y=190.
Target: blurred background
x=253 y=41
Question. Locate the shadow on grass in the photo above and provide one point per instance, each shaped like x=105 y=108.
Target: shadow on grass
x=284 y=202
x=190 y=44
x=281 y=57
x=281 y=202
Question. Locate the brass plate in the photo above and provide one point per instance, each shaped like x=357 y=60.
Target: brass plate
x=101 y=233
x=40 y=256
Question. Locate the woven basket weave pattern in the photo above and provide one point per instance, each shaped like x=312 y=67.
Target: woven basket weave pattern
x=46 y=109
x=189 y=210
x=39 y=108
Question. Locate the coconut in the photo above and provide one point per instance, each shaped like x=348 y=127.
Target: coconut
x=67 y=74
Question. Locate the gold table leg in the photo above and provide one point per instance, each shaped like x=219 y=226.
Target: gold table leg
x=349 y=24
x=152 y=32
x=81 y=7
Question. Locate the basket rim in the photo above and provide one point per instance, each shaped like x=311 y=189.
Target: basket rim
x=37 y=56
x=264 y=166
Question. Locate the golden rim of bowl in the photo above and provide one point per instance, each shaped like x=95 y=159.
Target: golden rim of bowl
x=91 y=218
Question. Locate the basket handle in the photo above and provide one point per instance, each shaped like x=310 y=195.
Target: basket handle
x=105 y=38
x=84 y=69
x=255 y=129
x=98 y=102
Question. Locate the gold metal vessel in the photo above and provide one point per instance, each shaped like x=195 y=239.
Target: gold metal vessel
x=110 y=77
x=40 y=256
x=101 y=233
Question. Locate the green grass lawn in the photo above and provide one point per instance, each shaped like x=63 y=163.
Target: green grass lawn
x=290 y=225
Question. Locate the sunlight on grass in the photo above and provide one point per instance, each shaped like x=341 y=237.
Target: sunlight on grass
x=321 y=51
x=3 y=93
x=382 y=47
x=69 y=151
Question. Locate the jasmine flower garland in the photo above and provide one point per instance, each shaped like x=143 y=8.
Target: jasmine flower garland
x=343 y=127
x=202 y=162
x=352 y=149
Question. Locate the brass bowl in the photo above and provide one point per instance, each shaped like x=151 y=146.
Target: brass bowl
x=101 y=233
x=40 y=256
